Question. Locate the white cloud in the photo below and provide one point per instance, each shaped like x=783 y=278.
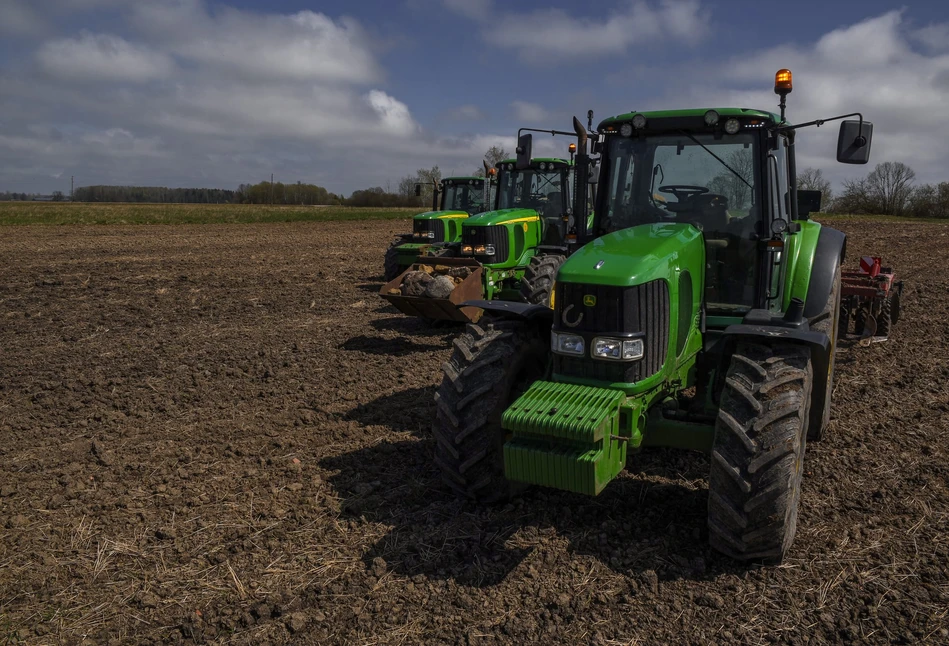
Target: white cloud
x=102 y=57
x=529 y=112
x=553 y=33
x=305 y=46
x=902 y=91
x=935 y=37
x=393 y=114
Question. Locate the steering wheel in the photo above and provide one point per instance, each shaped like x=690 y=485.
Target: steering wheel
x=683 y=192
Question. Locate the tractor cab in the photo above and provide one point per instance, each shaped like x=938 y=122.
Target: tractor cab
x=702 y=169
x=545 y=186
x=453 y=200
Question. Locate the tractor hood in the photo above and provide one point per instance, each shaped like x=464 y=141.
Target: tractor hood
x=441 y=215
x=632 y=256
x=504 y=216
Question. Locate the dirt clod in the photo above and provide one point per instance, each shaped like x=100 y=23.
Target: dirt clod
x=296 y=622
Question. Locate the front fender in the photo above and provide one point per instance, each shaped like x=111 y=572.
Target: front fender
x=818 y=250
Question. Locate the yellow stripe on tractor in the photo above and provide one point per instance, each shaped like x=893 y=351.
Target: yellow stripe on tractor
x=533 y=218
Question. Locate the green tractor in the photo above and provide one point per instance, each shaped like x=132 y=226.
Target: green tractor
x=453 y=200
x=508 y=254
x=704 y=321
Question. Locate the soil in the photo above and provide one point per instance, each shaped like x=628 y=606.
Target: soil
x=221 y=434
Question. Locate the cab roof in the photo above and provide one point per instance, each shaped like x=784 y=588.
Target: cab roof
x=461 y=178
x=536 y=160
x=723 y=113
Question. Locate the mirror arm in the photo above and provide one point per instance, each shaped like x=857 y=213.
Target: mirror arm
x=549 y=132
x=820 y=122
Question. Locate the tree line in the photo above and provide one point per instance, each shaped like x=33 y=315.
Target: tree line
x=7 y=196
x=272 y=192
x=157 y=194
x=889 y=189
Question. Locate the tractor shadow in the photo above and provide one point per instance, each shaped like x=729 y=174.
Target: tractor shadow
x=408 y=411
x=414 y=326
x=373 y=286
x=649 y=520
x=398 y=347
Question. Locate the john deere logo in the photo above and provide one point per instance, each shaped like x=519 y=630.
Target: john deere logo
x=589 y=300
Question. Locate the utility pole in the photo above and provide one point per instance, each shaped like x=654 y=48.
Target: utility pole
x=271 y=189
x=72 y=185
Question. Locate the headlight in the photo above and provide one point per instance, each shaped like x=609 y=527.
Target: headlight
x=479 y=250
x=711 y=118
x=466 y=248
x=732 y=126
x=617 y=349
x=566 y=344
x=626 y=130
x=429 y=234
x=639 y=121
x=489 y=250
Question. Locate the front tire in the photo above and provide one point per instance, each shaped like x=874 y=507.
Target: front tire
x=539 y=277
x=391 y=262
x=758 y=451
x=493 y=362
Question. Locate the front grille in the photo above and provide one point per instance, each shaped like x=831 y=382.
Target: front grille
x=496 y=235
x=619 y=311
x=423 y=226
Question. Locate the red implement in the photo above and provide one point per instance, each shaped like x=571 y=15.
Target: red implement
x=870 y=296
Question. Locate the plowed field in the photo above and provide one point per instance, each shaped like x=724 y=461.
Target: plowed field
x=221 y=434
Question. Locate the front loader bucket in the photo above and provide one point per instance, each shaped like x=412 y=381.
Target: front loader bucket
x=439 y=309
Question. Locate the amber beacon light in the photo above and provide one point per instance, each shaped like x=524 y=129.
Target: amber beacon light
x=782 y=82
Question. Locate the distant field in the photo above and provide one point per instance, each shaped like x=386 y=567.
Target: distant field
x=58 y=213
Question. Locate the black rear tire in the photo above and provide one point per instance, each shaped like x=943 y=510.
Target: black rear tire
x=391 y=262
x=828 y=322
x=539 y=279
x=884 y=322
x=493 y=362
x=758 y=452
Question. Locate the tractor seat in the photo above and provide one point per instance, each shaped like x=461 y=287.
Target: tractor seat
x=554 y=206
x=711 y=210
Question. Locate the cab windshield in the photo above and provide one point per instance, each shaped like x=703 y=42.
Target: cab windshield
x=547 y=192
x=695 y=179
x=463 y=197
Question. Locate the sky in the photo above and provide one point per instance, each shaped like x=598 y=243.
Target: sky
x=359 y=93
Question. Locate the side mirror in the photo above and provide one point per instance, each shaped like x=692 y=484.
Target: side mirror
x=524 y=144
x=853 y=142
x=418 y=190
x=808 y=202
x=594 y=174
